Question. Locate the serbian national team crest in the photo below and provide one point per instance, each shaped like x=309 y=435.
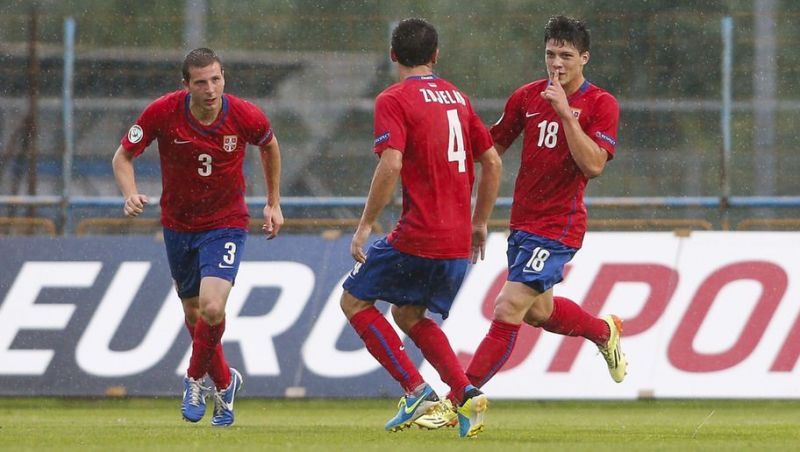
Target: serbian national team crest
x=229 y=143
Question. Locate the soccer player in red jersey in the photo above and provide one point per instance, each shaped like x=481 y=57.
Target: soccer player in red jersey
x=428 y=135
x=570 y=133
x=202 y=134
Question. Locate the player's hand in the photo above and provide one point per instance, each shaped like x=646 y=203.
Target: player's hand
x=479 y=234
x=273 y=220
x=357 y=245
x=555 y=95
x=134 y=205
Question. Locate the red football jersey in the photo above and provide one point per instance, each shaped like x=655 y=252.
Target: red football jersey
x=201 y=165
x=433 y=124
x=548 y=195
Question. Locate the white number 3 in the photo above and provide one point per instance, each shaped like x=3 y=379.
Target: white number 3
x=205 y=162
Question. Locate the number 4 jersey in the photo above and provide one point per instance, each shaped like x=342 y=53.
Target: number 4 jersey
x=201 y=165
x=433 y=124
x=548 y=195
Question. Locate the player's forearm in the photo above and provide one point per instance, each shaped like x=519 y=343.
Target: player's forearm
x=122 y=165
x=590 y=158
x=382 y=187
x=271 y=166
x=488 y=186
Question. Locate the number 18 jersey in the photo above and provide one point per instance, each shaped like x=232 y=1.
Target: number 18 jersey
x=433 y=124
x=548 y=194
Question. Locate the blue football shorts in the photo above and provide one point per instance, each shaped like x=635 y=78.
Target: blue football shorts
x=536 y=261
x=195 y=255
x=403 y=279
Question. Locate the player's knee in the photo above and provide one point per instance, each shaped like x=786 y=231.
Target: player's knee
x=406 y=317
x=213 y=313
x=536 y=316
x=506 y=309
x=351 y=305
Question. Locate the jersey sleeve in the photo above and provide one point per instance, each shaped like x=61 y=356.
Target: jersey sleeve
x=605 y=120
x=479 y=136
x=390 y=129
x=259 y=131
x=145 y=129
x=511 y=124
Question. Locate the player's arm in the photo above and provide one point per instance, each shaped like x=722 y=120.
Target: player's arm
x=380 y=194
x=588 y=155
x=122 y=164
x=271 y=167
x=488 y=186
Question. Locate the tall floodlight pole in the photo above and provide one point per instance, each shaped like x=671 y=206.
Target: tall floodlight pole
x=68 y=120
x=194 y=23
x=725 y=115
x=764 y=94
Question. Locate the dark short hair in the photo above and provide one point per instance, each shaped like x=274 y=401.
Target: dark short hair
x=201 y=57
x=414 y=42
x=566 y=30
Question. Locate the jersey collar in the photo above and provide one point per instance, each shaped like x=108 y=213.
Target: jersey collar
x=197 y=125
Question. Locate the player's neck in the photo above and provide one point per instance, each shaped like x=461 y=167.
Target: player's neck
x=574 y=86
x=203 y=115
x=405 y=72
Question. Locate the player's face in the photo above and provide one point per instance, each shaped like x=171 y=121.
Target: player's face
x=567 y=61
x=206 y=85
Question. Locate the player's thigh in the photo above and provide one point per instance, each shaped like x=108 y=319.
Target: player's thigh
x=220 y=253
x=183 y=259
x=536 y=261
x=514 y=301
x=446 y=277
x=386 y=275
x=214 y=293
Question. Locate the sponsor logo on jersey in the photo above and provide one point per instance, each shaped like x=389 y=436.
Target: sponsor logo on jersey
x=576 y=112
x=135 y=134
x=381 y=138
x=229 y=143
x=606 y=138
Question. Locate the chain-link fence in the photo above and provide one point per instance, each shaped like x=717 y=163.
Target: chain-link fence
x=314 y=67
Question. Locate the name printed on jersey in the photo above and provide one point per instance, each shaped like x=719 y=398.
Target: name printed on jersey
x=446 y=97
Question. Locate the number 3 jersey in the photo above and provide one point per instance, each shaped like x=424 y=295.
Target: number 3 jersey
x=433 y=124
x=203 y=184
x=548 y=195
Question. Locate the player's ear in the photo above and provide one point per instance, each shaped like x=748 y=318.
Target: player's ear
x=185 y=83
x=585 y=57
x=393 y=55
x=435 y=57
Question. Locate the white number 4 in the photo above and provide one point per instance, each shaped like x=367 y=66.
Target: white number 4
x=455 y=143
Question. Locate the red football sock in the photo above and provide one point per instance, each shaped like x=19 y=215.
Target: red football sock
x=570 y=319
x=204 y=343
x=493 y=352
x=435 y=347
x=219 y=371
x=384 y=344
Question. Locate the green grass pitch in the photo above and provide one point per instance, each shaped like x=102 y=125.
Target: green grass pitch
x=355 y=425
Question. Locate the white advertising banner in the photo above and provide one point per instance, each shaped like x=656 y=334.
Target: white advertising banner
x=714 y=314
